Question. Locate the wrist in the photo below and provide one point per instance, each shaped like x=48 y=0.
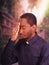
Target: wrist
x=11 y=40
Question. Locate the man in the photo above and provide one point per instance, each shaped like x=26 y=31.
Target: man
x=30 y=49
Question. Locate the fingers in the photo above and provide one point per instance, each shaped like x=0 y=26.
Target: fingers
x=16 y=28
x=15 y=32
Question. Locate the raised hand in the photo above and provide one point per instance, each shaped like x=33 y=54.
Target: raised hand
x=15 y=32
x=15 y=29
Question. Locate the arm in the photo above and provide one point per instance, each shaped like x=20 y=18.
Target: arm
x=9 y=57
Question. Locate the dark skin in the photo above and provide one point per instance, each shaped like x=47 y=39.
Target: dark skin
x=24 y=28
x=26 y=31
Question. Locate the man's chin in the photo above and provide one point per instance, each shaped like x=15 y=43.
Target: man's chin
x=22 y=37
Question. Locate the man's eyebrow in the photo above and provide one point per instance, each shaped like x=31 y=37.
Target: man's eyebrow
x=23 y=25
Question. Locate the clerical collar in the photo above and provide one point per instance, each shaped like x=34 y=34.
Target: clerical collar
x=27 y=42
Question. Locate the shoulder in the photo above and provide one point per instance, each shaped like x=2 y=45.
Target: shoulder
x=41 y=40
x=43 y=43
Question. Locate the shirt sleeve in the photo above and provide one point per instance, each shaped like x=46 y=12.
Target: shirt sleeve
x=9 y=56
x=45 y=55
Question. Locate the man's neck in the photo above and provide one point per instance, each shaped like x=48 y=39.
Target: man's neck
x=31 y=36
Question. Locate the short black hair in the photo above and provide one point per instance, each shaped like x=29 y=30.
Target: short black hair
x=30 y=17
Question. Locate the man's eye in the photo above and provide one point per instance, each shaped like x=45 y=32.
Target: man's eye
x=22 y=27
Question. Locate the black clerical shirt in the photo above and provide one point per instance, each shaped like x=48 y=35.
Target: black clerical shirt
x=32 y=52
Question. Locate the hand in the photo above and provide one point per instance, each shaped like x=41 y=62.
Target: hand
x=15 y=32
x=15 y=29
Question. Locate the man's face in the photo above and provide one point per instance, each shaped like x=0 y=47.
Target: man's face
x=25 y=28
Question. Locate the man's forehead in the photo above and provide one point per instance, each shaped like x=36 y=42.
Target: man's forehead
x=21 y=19
x=23 y=22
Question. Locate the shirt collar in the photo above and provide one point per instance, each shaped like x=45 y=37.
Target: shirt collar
x=32 y=40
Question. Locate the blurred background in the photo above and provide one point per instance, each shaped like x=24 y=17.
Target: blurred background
x=15 y=8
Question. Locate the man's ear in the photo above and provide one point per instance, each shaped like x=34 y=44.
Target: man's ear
x=34 y=27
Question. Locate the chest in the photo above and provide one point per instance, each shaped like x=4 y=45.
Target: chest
x=28 y=55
